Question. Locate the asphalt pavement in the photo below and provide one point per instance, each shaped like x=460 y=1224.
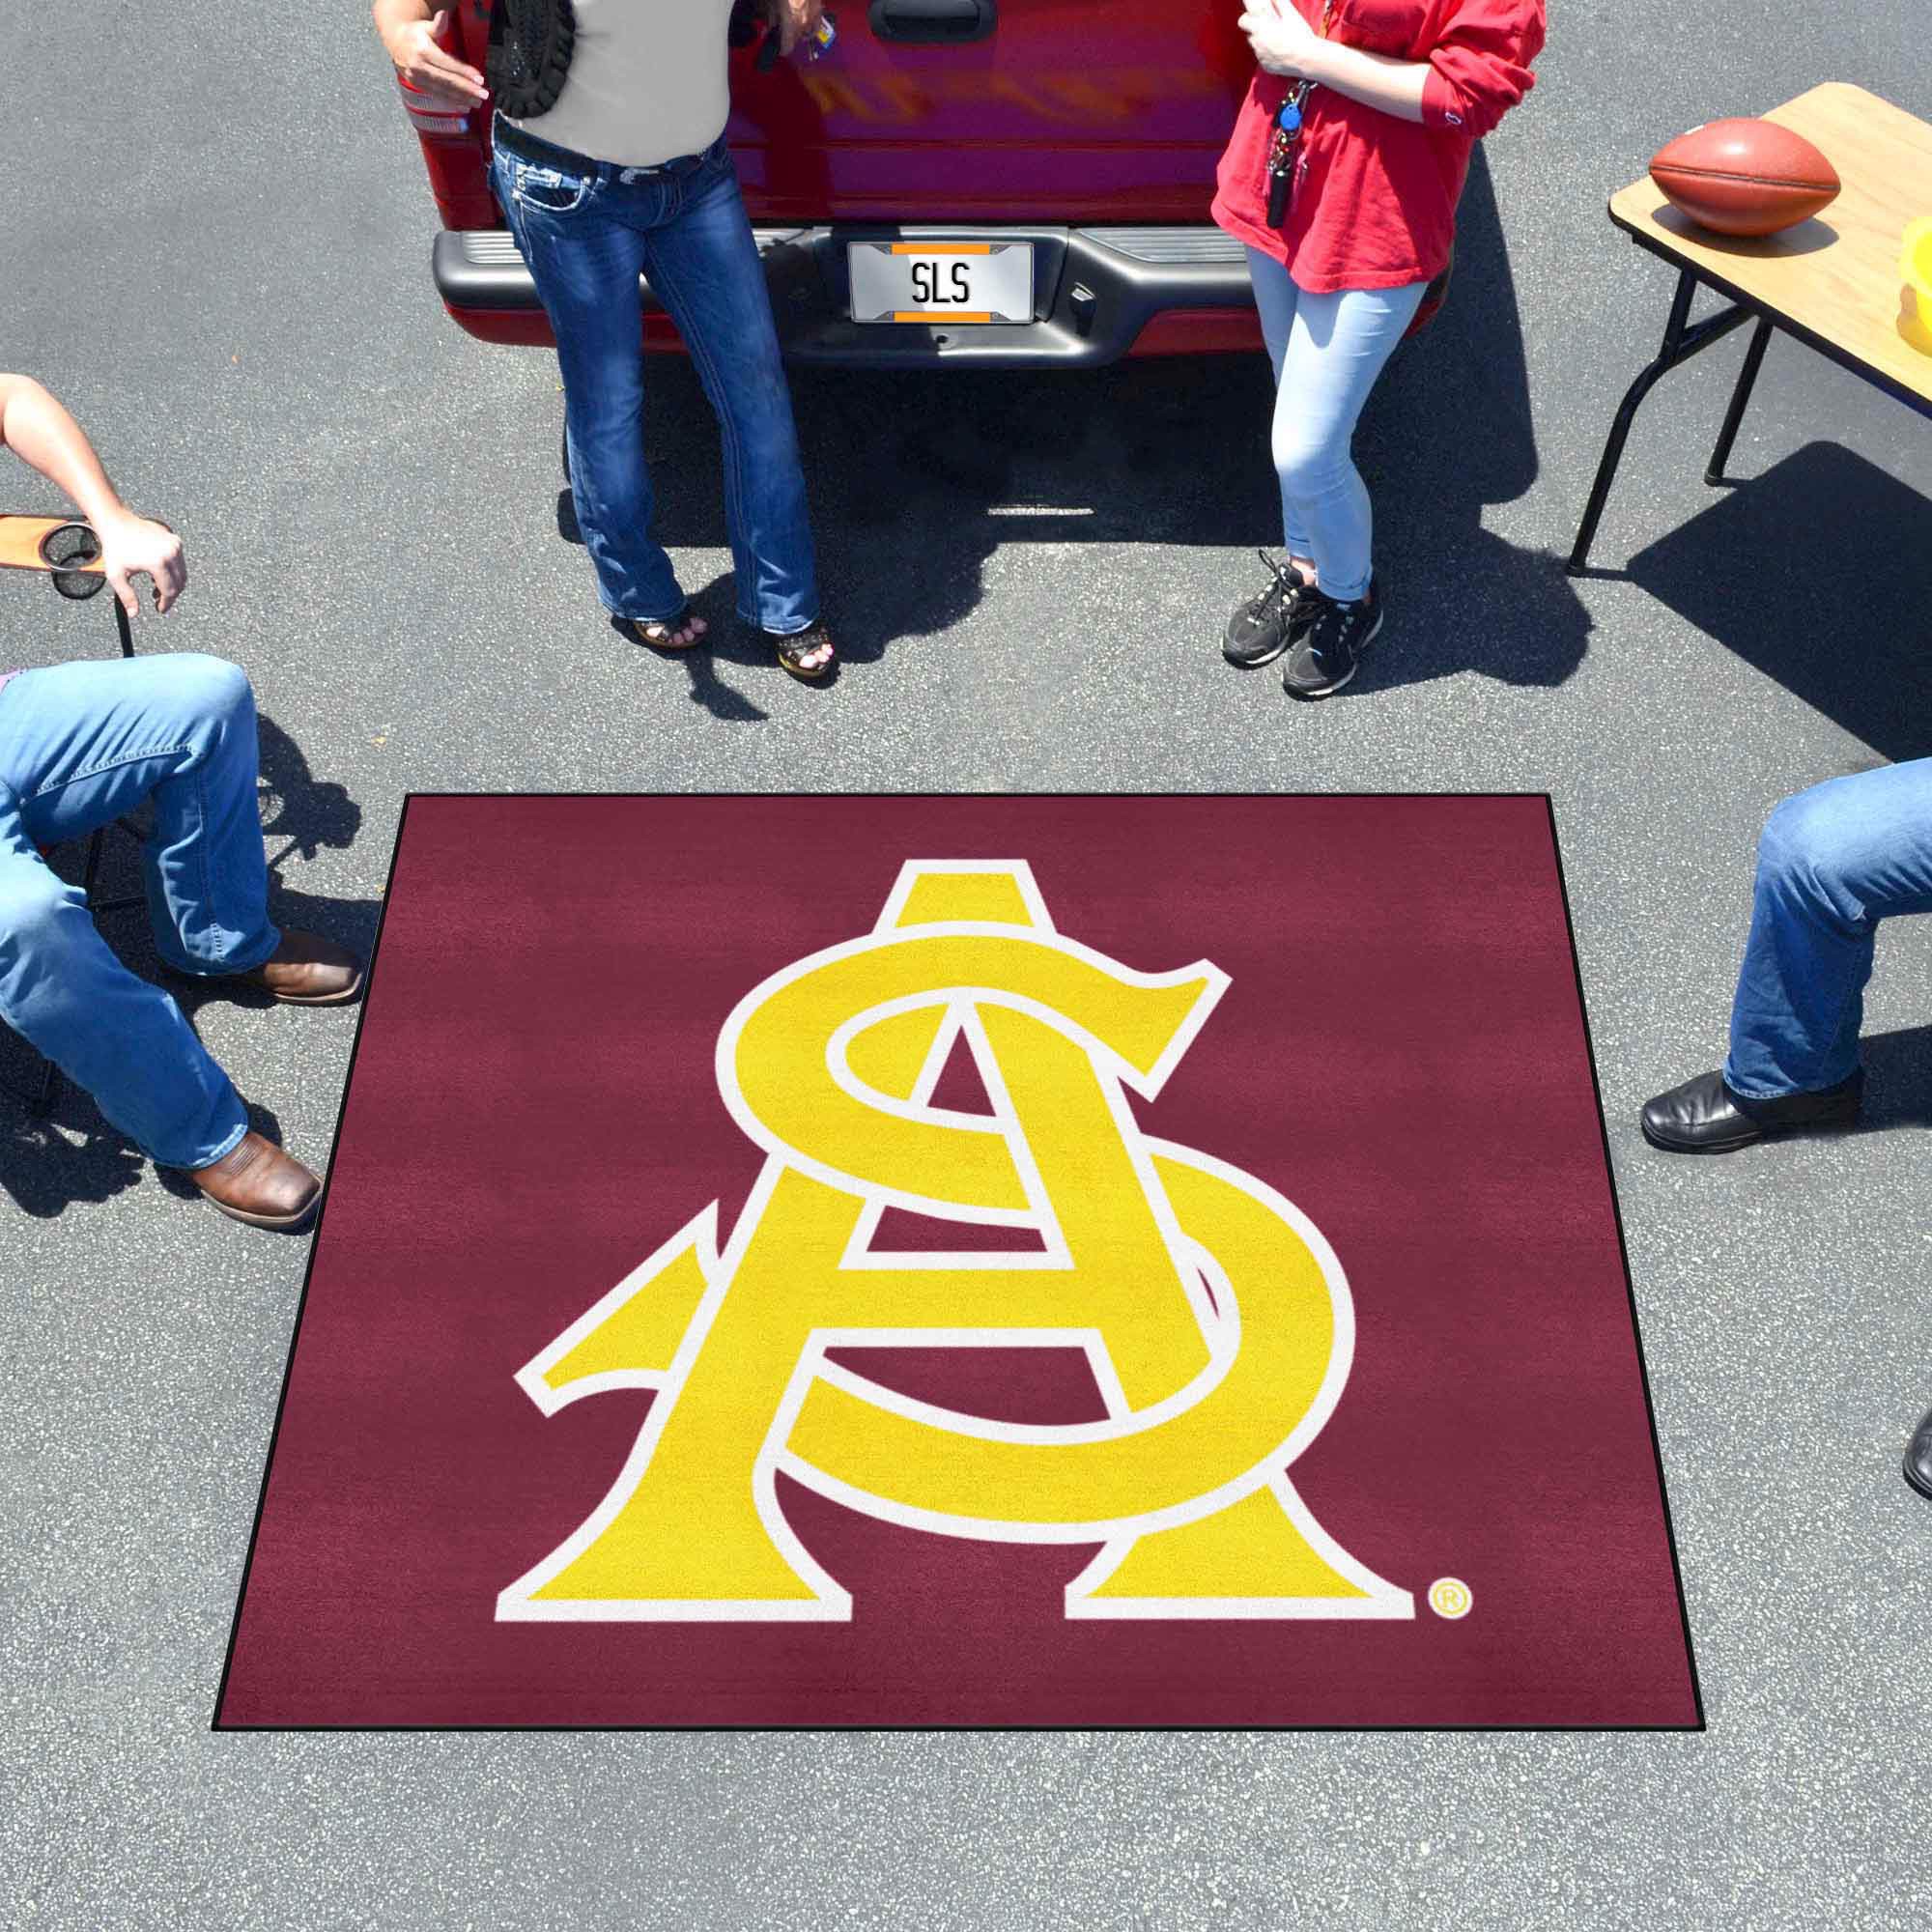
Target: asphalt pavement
x=215 y=248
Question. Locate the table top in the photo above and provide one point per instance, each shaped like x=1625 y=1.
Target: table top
x=1835 y=278
x=20 y=540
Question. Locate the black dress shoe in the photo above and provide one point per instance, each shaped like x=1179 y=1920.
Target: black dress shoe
x=1918 y=1456
x=1703 y=1116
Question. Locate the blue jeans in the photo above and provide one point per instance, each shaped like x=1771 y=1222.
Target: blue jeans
x=1327 y=351
x=587 y=230
x=80 y=744
x=1831 y=863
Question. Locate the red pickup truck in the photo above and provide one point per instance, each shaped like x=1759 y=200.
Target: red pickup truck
x=1023 y=182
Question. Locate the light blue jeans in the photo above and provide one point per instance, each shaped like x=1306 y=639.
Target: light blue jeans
x=1327 y=351
x=80 y=744
x=587 y=230
x=1831 y=864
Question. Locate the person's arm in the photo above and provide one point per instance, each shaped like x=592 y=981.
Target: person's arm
x=42 y=434
x=1476 y=74
x=408 y=30
x=1395 y=86
x=1285 y=43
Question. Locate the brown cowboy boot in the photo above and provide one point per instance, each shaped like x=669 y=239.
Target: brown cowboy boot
x=307 y=970
x=258 y=1183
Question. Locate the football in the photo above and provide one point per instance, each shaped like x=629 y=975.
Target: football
x=1743 y=177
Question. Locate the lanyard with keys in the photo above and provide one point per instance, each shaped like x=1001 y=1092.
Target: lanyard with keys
x=1288 y=137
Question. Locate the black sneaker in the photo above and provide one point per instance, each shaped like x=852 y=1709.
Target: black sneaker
x=1327 y=654
x=1264 y=626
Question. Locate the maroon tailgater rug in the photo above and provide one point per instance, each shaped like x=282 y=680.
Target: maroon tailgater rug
x=968 y=1261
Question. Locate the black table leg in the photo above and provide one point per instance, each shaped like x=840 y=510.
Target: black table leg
x=94 y=843
x=1740 y=397
x=1681 y=342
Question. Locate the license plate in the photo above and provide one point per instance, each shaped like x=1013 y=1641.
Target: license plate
x=941 y=281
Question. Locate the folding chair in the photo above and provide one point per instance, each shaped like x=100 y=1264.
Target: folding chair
x=68 y=553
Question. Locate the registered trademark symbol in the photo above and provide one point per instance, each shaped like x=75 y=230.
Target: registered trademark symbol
x=1450 y=1597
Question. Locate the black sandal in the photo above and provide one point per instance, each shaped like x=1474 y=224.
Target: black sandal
x=794 y=646
x=665 y=630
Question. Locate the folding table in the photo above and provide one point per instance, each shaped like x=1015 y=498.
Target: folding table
x=1833 y=282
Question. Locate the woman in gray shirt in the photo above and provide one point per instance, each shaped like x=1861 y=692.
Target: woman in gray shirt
x=609 y=163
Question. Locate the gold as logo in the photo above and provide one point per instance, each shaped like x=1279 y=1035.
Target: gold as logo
x=1215 y=1319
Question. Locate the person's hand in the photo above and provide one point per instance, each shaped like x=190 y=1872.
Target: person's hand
x=131 y=547
x=1282 y=42
x=794 y=20
x=432 y=69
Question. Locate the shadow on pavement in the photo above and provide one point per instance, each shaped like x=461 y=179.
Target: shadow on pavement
x=48 y=1163
x=306 y=811
x=1448 y=431
x=917 y=477
x=1814 y=573
x=1898 y=1079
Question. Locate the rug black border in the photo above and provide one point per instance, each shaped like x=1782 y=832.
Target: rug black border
x=1701 y=1726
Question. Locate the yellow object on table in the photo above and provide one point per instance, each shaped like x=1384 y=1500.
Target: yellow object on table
x=1914 y=302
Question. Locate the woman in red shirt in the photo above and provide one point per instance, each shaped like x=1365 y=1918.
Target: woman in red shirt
x=1341 y=177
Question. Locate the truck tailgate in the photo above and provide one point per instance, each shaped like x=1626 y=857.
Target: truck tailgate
x=1065 y=111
